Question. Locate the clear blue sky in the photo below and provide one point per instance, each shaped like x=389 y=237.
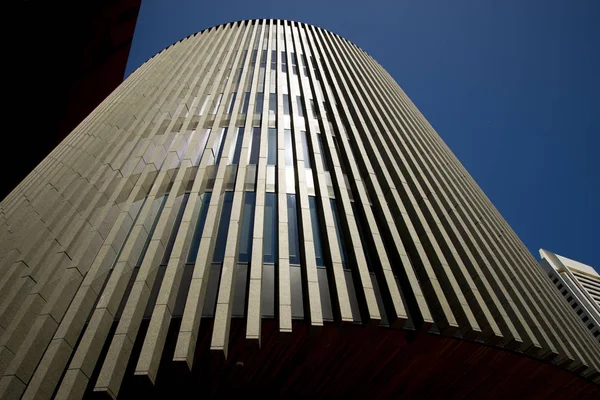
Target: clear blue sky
x=512 y=86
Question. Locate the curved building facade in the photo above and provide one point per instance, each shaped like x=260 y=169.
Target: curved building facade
x=260 y=209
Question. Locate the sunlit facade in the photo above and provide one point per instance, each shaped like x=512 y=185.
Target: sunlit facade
x=260 y=209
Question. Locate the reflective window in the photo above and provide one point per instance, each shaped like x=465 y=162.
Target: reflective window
x=338 y=232
x=273 y=60
x=246 y=102
x=294 y=63
x=245 y=245
x=323 y=158
x=258 y=107
x=270 y=229
x=362 y=233
x=237 y=150
x=263 y=58
x=255 y=146
x=289 y=156
x=305 y=149
x=283 y=62
x=299 y=105
x=223 y=228
x=313 y=109
x=286 y=104
x=293 y=230
x=199 y=227
x=231 y=102
x=272 y=147
x=316 y=228
x=272 y=104
x=220 y=145
x=261 y=79
x=304 y=65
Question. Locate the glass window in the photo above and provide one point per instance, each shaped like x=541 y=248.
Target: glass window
x=263 y=58
x=286 y=104
x=289 y=156
x=246 y=102
x=272 y=147
x=283 y=63
x=270 y=229
x=304 y=65
x=239 y=76
x=176 y=224
x=338 y=231
x=323 y=158
x=314 y=66
x=313 y=109
x=258 y=107
x=273 y=60
x=294 y=63
x=199 y=228
x=231 y=102
x=272 y=104
x=255 y=146
x=299 y=105
x=223 y=228
x=314 y=219
x=237 y=150
x=261 y=79
x=293 y=230
x=305 y=149
x=245 y=246
x=220 y=145
x=362 y=233
x=253 y=59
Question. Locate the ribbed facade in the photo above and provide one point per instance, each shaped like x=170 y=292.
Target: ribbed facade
x=261 y=174
x=579 y=284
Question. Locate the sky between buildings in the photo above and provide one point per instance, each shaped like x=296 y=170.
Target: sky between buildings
x=512 y=86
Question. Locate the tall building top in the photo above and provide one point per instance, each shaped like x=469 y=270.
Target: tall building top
x=564 y=262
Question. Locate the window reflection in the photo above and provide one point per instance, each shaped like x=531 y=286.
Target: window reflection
x=338 y=232
x=223 y=228
x=235 y=157
x=199 y=227
x=245 y=245
x=255 y=146
x=272 y=147
x=294 y=244
x=316 y=228
x=270 y=229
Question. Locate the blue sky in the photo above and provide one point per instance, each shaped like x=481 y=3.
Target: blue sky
x=512 y=86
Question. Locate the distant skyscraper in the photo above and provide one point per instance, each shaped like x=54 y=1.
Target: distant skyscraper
x=259 y=211
x=579 y=284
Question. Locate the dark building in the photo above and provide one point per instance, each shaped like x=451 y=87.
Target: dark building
x=260 y=211
x=66 y=57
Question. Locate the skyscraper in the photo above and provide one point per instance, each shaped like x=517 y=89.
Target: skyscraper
x=579 y=284
x=260 y=209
